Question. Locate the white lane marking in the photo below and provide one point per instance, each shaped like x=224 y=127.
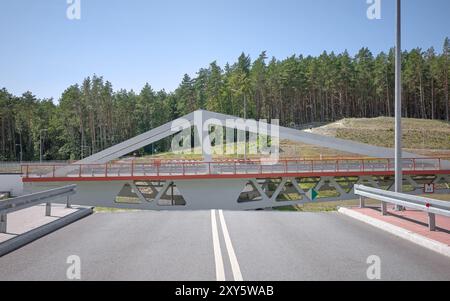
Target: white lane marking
x=233 y=259
x=220 y=271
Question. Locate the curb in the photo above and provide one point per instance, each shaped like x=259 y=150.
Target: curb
x=32 y=235
x=420 y=240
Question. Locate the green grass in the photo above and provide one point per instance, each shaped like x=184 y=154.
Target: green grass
x=127 y=200
x=323 y=206
x=333 y=206
x=417 y=133
x=112 y=210
x=330 y=206
x=442 y=197
x=424 y=137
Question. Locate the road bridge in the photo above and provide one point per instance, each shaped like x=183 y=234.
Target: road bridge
x=235 y=184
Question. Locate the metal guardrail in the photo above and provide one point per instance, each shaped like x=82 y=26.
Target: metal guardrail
x=430 y=206
x=232 y=167
x=22 y=202
x=12 y=167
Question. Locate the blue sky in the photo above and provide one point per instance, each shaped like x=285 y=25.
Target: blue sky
x=131 y=42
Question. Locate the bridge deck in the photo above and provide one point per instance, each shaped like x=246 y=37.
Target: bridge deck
x=227 y=169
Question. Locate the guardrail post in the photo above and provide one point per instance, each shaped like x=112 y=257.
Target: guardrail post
x=48 y=209
x=362 y=203
x=3 y=221
x=383 y=208
x=68 y=202
x=432 y=221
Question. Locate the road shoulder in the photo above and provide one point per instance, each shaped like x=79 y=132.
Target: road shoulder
x=434 y=245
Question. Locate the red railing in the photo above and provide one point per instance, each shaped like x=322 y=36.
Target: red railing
x=228 y=168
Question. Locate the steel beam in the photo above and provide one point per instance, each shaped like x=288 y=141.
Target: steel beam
x=165 y=130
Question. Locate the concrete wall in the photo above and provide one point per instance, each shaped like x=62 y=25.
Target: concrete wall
x=11 y=183
x=99 y=194
x=203 y=194
x=211 y=194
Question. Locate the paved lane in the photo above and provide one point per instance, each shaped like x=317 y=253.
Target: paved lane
x=325 y=246
x=121 y=246
x=259 y=245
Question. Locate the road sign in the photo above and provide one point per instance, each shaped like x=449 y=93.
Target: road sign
x=428 y=188
x=312 y=194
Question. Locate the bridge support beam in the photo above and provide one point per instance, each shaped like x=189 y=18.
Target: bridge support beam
x=224 y=193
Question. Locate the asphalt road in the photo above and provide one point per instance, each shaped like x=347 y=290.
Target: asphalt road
x=211 y=245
